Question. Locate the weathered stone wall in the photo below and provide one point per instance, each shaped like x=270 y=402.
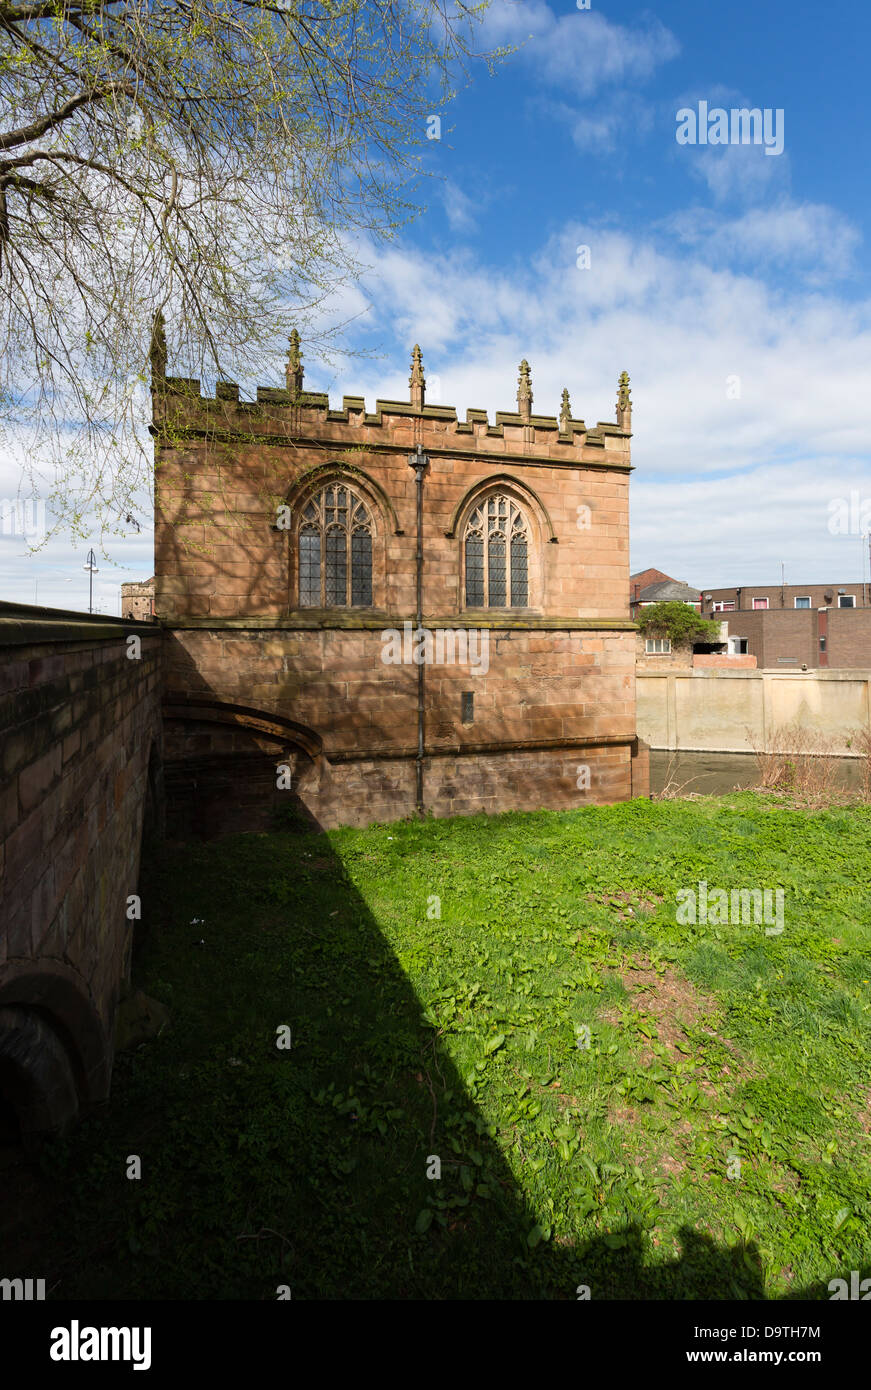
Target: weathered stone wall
x=79 y=730
x=137 y=600
x=558 y=688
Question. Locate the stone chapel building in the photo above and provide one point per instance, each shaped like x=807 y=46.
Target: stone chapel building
x=392 y=610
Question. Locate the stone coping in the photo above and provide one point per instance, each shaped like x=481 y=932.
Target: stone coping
x=170 y=435
x=379 y=623
x=459 y=750
x=22 y=624
x=830 y=673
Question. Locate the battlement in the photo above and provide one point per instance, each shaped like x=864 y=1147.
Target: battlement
x=290 y=412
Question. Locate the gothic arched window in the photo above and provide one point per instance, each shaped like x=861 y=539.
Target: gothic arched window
x=335 y=550
x=497 y=555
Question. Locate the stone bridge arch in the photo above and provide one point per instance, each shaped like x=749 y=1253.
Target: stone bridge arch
x=221 y=765
x=55 y=1054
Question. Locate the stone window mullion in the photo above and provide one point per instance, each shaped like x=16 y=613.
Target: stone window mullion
x=335 y=538
x=501 y=579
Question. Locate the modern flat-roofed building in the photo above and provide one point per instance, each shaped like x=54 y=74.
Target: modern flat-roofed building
x=797 y=625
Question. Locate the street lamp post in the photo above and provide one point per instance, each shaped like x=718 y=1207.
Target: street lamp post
x=91 y=565
x=418 y=461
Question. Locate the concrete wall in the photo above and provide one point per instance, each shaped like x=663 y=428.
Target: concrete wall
x=79 y=731
x=739 y=711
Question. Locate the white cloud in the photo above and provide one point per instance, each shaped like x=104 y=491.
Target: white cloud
x=680 y=326
x=727 y=483
x=809 y=236
x=739 y=529
x=580 y=55
x=459 y=208
x=582 y=50
x=738 y=172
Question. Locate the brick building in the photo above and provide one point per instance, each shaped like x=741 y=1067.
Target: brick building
x=795 y=625
x=652 y=586
x=291 y=577
x=642 y=578
x=768 y=597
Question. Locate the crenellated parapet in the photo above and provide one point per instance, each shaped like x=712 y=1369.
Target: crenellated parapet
x=293 y=540
x=291 y=414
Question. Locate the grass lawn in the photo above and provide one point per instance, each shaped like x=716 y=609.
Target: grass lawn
x=650 y=1109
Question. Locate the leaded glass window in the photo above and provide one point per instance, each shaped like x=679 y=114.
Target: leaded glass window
x=335 y=551
x=496 y=550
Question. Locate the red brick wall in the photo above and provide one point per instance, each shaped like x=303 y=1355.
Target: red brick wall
x=772 y=635
x=795 y=633
x=820 y=595
x=849 y=638
x=724 y=661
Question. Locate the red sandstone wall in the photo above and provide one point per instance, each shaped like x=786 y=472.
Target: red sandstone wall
x=222 y=468
x=560 y=688
x=540 y=686
x=78 y=720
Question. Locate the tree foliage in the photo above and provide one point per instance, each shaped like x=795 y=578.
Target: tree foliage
x=679 y=622
x=221 y=161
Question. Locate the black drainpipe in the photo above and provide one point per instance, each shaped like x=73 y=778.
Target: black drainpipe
x=418 y=461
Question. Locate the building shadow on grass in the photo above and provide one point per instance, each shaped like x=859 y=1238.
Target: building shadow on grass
x=269 y=1169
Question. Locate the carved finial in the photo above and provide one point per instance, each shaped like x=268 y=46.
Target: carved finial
x=524 y=391
x=565 y=414
x=157 y=352
x=417 y=380
x=624 y=404
x=294 y=369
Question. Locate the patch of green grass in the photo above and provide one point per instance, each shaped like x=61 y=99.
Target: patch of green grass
x=616 y=1098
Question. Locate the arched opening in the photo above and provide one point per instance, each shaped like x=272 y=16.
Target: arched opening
x=38 y=1091
x=54 y=1053
x=230 y=769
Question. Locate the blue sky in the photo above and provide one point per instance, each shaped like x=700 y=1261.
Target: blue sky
x=732 y=285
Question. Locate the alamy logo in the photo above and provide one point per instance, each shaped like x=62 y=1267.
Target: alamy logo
x=27 y=1290
x=740 y=906
x=76 y=1343
x=738 y=126
x=22 y=517
x=858 y=1291
x=419 y=646
x=850 y=518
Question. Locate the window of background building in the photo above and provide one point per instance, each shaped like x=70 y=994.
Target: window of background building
x=657 y=646
x=846 y=601
x=760 y=603
x=803 y=602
